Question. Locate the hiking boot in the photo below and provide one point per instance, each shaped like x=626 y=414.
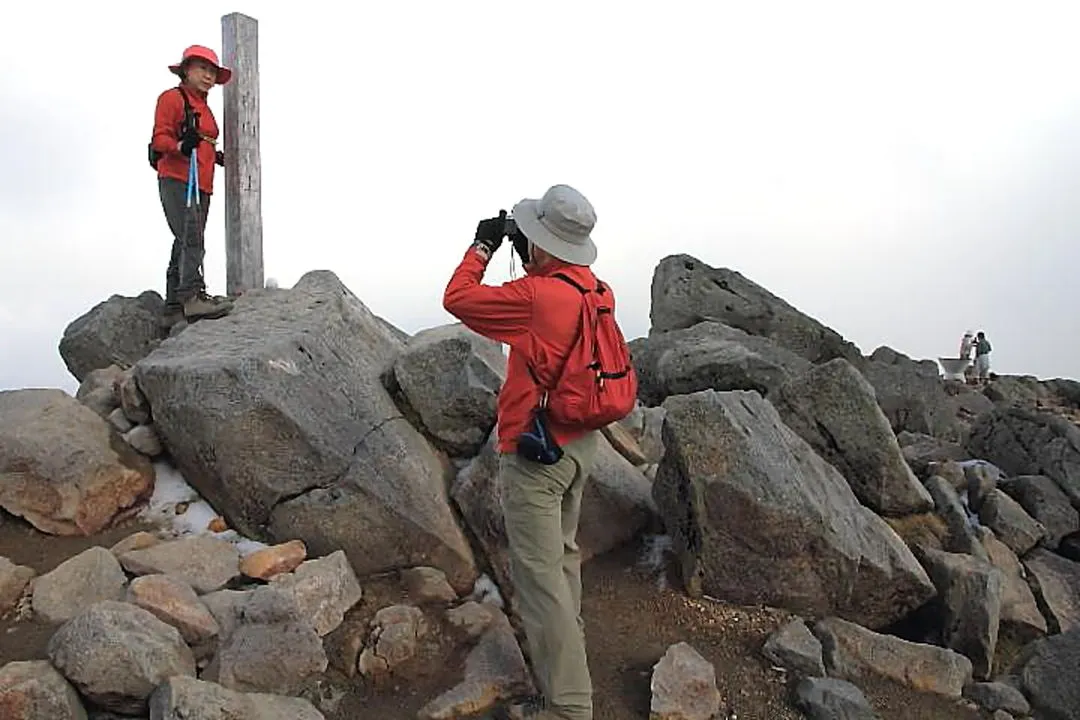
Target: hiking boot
x=172 y=316
x=202 y=306
x=526 y=708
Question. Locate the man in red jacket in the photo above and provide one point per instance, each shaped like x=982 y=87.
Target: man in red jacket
x=538 y=317
x=184 y=124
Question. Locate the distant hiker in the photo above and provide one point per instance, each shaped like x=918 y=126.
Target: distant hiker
x=182 y=150
x=967 y=344
x=568 y=373
x=982 y=358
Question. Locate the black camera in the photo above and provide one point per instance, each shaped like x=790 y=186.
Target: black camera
x=509 y=227
x=517 y=239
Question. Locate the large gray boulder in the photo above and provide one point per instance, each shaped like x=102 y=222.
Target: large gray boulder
x=710 y=355
x=852 y=653
x=912 y=395
x=117 y=331
x=686 y=291
x=1027 y=442
x=757 y=517
x=1048 y=672
x=450 y=377
x=971 y=593
x=833 y=408
x=63 y=468
x=278 y=415
x=1043 y=500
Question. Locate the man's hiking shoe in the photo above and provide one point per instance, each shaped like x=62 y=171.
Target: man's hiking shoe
x=172 y=316
x=204 y=307
x=523 y=708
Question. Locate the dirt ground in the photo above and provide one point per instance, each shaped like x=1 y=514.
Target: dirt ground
x=630 y=622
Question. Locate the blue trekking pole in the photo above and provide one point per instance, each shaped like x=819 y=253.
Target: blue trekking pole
x=190 y=170
x=193 y=179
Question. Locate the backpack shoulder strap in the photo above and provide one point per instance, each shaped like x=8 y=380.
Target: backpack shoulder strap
x=580 y=288
x=187 y=101
x=190 y=116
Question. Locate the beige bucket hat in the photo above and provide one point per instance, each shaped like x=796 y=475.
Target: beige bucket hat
x=561 y=223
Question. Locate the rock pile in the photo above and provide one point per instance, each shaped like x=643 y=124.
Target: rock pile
x=927 y=532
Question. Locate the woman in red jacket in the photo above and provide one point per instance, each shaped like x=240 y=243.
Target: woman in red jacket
x=183 y=125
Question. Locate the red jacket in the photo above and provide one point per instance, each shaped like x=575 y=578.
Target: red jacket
x=538 y=316
x=168 y=117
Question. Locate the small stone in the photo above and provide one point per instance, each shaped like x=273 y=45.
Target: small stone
x=684 y=686
x=115 y=654
x=136 y=541
x=14 y=580
x=624 y=443
x=144 y=438
x=472 y=618
x=204 y=563
x=217 y=525
x=394 y=639
x=119 y=420
x=324 y=589
x=77 y=583
x=132 y=401
x=993 y=696
x=35 y=691
x=268 y=562
x=794 y=647
x=427 y=585
x=832 y=699
x=175 y=603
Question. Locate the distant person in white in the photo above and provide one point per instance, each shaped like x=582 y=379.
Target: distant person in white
x=982 y=358
x=967 y=344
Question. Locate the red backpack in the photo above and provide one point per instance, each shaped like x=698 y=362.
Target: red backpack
x=597 y=384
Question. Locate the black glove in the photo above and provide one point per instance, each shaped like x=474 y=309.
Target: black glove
x=490 y=233
x=219 y=158
x=189 y=140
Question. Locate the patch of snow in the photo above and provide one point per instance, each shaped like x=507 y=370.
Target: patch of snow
x=177 y=510
x=486 y=591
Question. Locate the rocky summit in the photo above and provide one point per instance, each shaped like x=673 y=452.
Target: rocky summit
x=294 y=512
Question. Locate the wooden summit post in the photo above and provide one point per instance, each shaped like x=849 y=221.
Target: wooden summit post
x=243 y=166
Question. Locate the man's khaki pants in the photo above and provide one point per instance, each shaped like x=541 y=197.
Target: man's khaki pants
x=542 y=506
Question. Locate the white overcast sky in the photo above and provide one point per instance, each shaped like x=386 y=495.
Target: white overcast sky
x=901 y=171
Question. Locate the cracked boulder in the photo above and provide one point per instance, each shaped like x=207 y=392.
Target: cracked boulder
x=300 y=371
x=396 y=631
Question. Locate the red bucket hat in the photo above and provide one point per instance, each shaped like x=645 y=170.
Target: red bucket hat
x=198 y=51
